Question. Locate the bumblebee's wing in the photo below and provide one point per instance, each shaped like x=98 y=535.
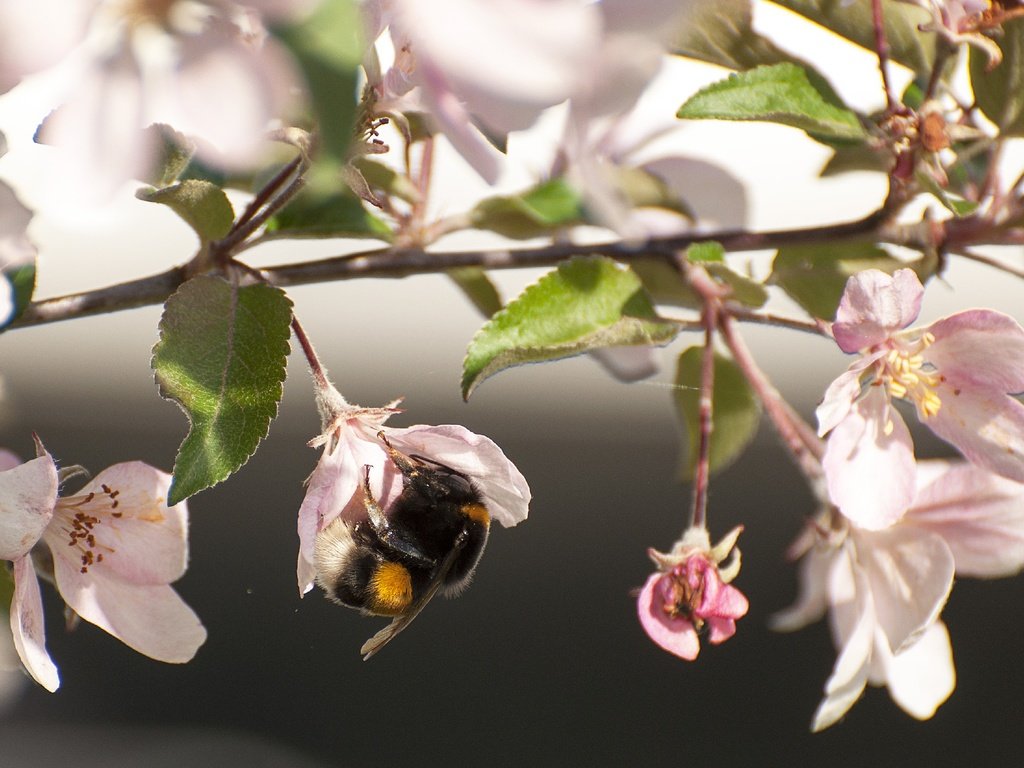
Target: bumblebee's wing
x=386 y=635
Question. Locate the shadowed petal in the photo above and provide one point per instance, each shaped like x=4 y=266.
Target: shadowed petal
x=874 y=306
x=27 y=626
x=153 y=620
x=28 y=493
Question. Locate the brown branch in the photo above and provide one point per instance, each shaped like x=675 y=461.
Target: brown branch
x=388 y=262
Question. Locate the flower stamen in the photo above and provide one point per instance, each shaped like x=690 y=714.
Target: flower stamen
x=906 y=375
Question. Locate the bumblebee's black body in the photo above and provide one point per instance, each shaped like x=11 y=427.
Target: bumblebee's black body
x=391 y=565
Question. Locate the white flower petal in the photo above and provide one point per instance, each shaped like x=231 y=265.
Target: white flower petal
x=152 y=620
x=812 y=600
x=876 y=305
x=849 y=676
x=505 y=490
x=841 y=394
x=869 y=463
x=922 y=676
x=910 y=573
x=986 y=426
x=27 y=626
x=28 y=493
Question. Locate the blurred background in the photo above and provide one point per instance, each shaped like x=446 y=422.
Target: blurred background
x=542 y=661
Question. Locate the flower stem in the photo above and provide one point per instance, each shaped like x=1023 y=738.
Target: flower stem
x=316 y=368
x=804 y=445
x=882 y=49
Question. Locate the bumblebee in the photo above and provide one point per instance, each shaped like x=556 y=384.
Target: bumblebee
x=392 y=565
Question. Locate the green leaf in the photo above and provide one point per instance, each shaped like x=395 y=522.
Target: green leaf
x=585 y=304
x=952 y=202
x=664 y=283
x=381 y=177
x=221 y=357
x=328 y=48
x=852 y=20
x=23 y=285
x=202 y=205
x=706 y=252
x=736 y=412
x=1000 y=92
x=721 y=32
x=174 y=154
x=856 y=157
x=326 y=208
x=538 y=211
x=814 y=276
x=780 y=93
x=478 y=288
x=6 y=589
x=748 y=292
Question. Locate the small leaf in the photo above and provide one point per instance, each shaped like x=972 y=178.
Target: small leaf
x=326 y=208
x=952 y=202
x=221 y=357
x=478 y=288
x=780 y=93
x=852 y=20
x=856 y=157
x=327 y=46
x=721 y=32
x=538 y=211
x=814 y=276
x=23 y=285
x=736 y=412
x=174 y=153
x=379 y=176
x=748 y=292
x=587 y=303
x=705 y=252
x=1000 y=92
x=201 y=204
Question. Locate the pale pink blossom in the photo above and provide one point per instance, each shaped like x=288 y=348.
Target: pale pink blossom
x=480 y=66
x=959 y=373
x=351 y=445
x=35 y=35
x=112 y=550
x=691 y=593
x=885 y=589
x=207 y=69
x=962 y=21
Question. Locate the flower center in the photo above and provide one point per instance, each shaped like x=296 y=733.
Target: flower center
x=680 y=599
x=81 y=523
x=907 y=376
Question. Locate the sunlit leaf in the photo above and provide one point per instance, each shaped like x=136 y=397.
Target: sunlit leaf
x=201 y=204
x=585 y=304
x=221 y=357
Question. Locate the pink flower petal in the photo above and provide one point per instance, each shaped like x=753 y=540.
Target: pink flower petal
x=27 y=626
x=28 y=493
x=147 y=541
x=869 y=463
x=979 y=348
x=675 y=635
x=876 y=305
x=220 y=66
x=987 y=427
x=979 y=515
x=152 y=620
x=505 y=490
x=910 y=575
x=842 y=392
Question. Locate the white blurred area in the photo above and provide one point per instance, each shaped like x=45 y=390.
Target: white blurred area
x=386 y=338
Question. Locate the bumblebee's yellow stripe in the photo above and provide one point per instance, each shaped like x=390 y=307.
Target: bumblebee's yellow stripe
x=477 y=513
x=391 y=589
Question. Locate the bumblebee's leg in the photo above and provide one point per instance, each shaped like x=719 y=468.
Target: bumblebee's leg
x=388 y=535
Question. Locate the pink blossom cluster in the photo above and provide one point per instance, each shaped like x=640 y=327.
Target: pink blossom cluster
x=882 y=556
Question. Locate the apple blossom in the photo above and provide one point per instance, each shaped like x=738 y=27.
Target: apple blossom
x=963 y=21
x=884 y=589
x=112 y=550
x=959 y=372
x=691 y=592
x=354 y=454
x=490 y=63
x=208 y=69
